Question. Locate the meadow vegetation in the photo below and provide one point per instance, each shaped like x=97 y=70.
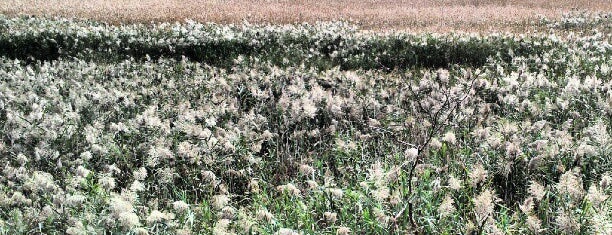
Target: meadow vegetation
x=413 y=15
x=192 y=128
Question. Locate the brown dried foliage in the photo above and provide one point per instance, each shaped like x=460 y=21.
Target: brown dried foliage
x=413 y=15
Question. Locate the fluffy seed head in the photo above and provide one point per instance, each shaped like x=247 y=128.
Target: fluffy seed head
x=446 y=207
x=454 y=183
x=180 y=206
x=330 y=217
x=411 y=154
x=449 y=138
x=289 y=188
x=536 y=190
x=477 y=175
x=570 y=183
x=534 y=224
x=484 y=204
x=343 y=230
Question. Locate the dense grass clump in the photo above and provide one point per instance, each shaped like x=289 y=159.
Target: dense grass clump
x=199 y=129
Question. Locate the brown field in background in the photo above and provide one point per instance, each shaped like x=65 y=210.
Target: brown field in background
x=412 y=15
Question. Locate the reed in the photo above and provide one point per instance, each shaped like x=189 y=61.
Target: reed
x=412 y=15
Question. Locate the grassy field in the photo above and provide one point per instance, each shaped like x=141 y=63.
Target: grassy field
x=414 y=15
x=374 y=117
x=322 y=128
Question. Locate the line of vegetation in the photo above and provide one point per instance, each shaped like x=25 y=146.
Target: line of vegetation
x=322 y=46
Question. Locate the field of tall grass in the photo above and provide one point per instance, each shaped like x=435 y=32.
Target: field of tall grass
x=192 y=128
x=414 y=15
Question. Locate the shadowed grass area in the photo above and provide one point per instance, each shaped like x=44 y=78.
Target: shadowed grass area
x=336 y=45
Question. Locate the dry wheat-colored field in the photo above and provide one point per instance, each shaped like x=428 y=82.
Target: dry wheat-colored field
x=414 y=15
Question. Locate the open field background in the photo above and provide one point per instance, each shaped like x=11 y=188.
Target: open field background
x=413 y=15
